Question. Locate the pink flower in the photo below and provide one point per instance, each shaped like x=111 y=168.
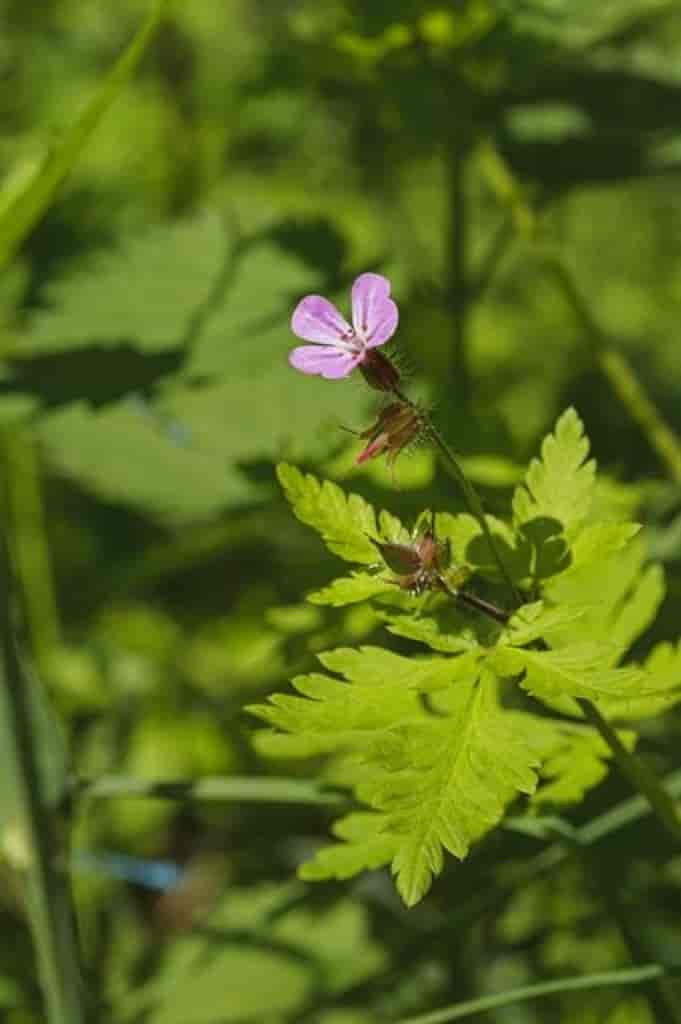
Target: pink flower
x=338 y=348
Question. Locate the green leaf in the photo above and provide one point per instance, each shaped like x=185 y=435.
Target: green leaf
x=274 y=954
x=536 y=620
x=617 y=595
x=427 y=631
x=470 y=548
x=27 y=208
x=372 y=666
x=166 y=291
x=560 y=484
x=359 y=586
x=346 y=522
x=581 y=670
x=575 y=758
x=597 y=541
x=365 y=846
x=143 y=292
x=438 y=784
x=123 y=456
x=662 y=669
x=332 y=715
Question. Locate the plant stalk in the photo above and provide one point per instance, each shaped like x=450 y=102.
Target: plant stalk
x=605 y=979
x=269 y=789
x=30 y=546
x=636 y=771
x=49 y=906
x=620 y=375
x=475 y=603
x=611 y=362
x=475 y=507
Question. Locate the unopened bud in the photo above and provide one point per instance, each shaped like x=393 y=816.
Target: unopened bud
x=397 y=425
x=403 y=559
x=418 y=566
x=378 y=371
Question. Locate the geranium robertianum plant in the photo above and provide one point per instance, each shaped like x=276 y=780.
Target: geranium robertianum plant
x=518 y=686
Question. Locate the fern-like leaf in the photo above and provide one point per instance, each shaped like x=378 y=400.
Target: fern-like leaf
x=662 y=670
x=359 y=586
x=559 y=485
x=427 y=631
x=575 y=758
x=617 y=594
x=581 y=670
x=438 y=784
x=380 y=692
x=345 y=522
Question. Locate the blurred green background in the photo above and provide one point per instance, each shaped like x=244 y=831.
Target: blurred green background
x=476 y=153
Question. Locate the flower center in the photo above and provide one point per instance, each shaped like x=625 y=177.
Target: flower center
x=351 y=342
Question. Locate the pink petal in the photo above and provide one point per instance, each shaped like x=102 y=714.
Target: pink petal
x=327 y=362
x=317 y=319
x=374 y=314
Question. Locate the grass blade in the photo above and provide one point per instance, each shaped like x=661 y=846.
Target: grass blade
x=31 y=203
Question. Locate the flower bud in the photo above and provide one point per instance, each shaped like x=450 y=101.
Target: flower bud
x=403 y=559
x=418 y=566
x=397 y=425
x=378 y=371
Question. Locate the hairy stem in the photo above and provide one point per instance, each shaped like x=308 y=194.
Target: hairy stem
x=474 y=602
x=474 y=505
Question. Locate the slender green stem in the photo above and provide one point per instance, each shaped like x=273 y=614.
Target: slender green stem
x=274 y=789
x=472 y=601
x=619 y=816
x=49 y=906
x=228 y=788
x=475 y=507
x=626 y=812
x=604 y=979
x=636 y=772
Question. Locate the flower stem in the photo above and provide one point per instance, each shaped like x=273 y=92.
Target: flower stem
x=636 y=771
x=474 y=505
x=470 y=495
x=478 y=604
